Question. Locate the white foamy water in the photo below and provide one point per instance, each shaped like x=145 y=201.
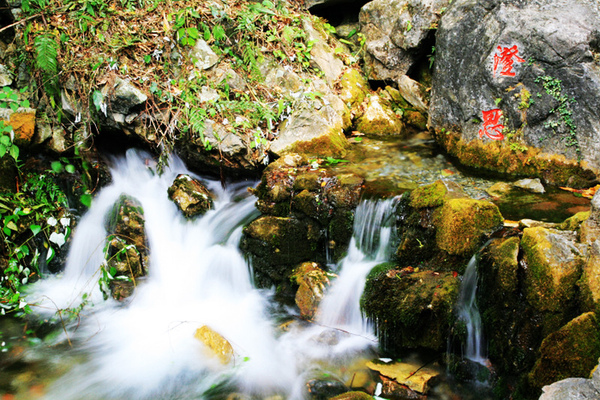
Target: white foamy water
x=145 y=348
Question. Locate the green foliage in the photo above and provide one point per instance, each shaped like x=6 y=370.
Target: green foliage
x=34 y=225
x=553 y=87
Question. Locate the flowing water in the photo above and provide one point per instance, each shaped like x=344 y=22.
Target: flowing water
x=145 y=348
x=468 y=312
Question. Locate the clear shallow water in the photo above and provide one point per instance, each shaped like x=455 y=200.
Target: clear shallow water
x=144 y=348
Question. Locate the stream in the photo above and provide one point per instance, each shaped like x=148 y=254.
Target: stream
x=144 y=347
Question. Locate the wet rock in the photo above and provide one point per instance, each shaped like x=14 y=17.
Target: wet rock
x=352 y=396
x=504 y=257
x=53 y=138
x=574 y=223
x=324 y=389
x=216 y=344
x=123 y=96
x=410 y=309
x=527 y=60
x=190 y=195
x=126 y=250
x=378 y=118
x=415 y=376
x=532 y=185
x=8 y=174
x=5 y=76
x=554 y=264
x=499 y=189
x=415 y=119
x=590 y=228
x=589 y=284
x=461 y=224
x=572 y=351
x=435 y=194
x=312 y=282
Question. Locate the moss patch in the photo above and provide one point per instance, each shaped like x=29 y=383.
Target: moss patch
x=432 y=195
x=572 y=351
x=461 y=224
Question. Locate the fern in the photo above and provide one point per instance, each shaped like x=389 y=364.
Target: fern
x=46 y=52
x=251 y=60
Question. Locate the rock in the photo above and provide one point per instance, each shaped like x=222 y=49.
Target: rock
x=5 y=76
x=571 y=388
x=414 y=375
x=532 y=185
x=322 y=56
x=574 y=223
x=354 y=89
x=203 y=56
x=378 y=118
x=589 y=284
x=410 y=309
x=352 y=396
x=415 y=119
x=208 y=94
x=590 y=228
x=395 y=31
x=123 y=96
x=553 y=266
x=312 y=282
x=8 y=174
x=54 y=138
x=314 y=133
x=23 y=123
x=414 y=92
x=502 y=69
x=572 y=351
x=324 y=389
x=190 y=195
x=216 y=344
x=462 y=224
x=504 y=257
x=226 y=74
x=435 y=194
x=127 y=250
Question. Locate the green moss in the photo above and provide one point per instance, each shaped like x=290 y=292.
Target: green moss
x=432 y=195
x=572 y=351
x=504 y=256
x=573 y=223
x=461 y=224
x=354 y=87
x=352 y=396
x=333 y=144
x=498 y=157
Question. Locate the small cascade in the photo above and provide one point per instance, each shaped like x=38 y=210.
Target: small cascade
x=145 y=348
x=468 y=312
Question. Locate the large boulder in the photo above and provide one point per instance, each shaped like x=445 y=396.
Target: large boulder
x=570 y=352
x=410 y=309
x=574 y=388
x=516 y=87
x=395 y=32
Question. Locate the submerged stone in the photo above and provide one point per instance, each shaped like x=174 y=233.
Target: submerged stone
x=572 y=351
x=190 y=195
x=415 y=376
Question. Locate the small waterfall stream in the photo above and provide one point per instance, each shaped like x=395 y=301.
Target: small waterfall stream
x=145 y=348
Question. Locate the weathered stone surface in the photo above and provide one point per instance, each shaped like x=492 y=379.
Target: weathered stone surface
x=570 y=388
x=190 y=195
x=317 y=133
x=5 y=76
x=216 y=344
x=414 y=92
x=123 y=96
x=554 y=263
x=394 y=31
x=410 y=309
x=322 y=56
x=354 y=88
x=556 y=43
x=412 y=374
x=312 y=282
x=203 y=56
x=378 y=118
x=352 y=396
x=570 y=352
x=23 y=123
x=590 y=228
x=533 y=185
x=589 y=285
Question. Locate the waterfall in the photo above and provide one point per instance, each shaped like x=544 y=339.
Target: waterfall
x=468 y=312
x=144 y=348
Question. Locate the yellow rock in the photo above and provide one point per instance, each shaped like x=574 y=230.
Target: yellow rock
x=412 y=374
x=217 y=344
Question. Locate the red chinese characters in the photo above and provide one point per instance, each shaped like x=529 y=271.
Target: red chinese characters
x=504 y=59
x=492 y=128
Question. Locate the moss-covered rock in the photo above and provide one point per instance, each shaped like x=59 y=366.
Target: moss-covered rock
x=354 y=88
x=378 y=118
x=504 y=264
x=190 y=195
x=411 y=309
x=572 y=351
x=573 y=223
x=554 y=263
x=589 y=284
x=461 y=224
x=126 y=250
x=352 y=396
x=434 y=194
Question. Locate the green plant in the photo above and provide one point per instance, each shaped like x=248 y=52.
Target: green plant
x=553 y=87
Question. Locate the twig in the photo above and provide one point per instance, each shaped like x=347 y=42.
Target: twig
x=20 y=21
